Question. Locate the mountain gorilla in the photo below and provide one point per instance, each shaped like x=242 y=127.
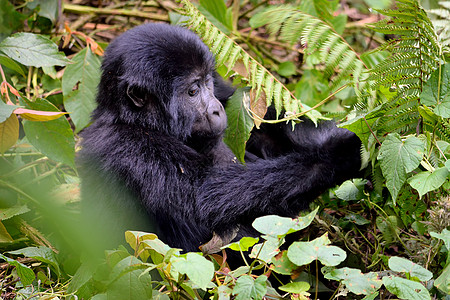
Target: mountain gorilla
x=154 y=159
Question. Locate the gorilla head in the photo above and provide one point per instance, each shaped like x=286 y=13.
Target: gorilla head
x=162 y=77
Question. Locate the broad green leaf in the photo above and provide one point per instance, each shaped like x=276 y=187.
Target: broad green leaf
x=243 y=244
x=299 y=287
x=41 y=253
x=303 y=253
x=277 y=226
x=5 y=237
x=265 y=251
x=282 y=265
x=133 y=238
x=10 y=19
x=436 y=91
x=403 y=265
x=53 y=138
x=16 y=210
x=444 y=235
x=199 y=270
x=406 y=289
x=224 y=292
x=248 y=288
x=6 y=110
x=11 y=64
x=33 y=50
x=398 y=158
x=47 y=8
x=286 y=69
x=443 y=281
x=273 y=225
x=240 y=123
x=26 y=275
x=426 y=181
x=357 y=282
x=129 y=285
x=351 y=190
x=85 y=74
x=9 y=132
x=357 y=219
x=217 y=13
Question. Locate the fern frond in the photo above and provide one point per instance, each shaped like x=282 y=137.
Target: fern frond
x=229 y=53
x=415 y=54
x=291 y=26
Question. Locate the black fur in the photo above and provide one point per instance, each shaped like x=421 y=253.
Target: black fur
x=153 y=161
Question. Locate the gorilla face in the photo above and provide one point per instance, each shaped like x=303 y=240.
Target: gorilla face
x=197 y=98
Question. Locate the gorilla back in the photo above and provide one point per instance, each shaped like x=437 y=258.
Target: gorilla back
x=154 y=159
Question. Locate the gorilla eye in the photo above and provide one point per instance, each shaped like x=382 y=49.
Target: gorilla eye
x=193 y=91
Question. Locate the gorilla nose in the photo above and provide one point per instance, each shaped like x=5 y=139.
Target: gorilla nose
x=216 y=115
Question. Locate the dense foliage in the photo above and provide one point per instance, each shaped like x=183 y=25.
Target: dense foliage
x=371 y=238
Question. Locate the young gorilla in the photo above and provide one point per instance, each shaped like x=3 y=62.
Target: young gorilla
x=155 y=148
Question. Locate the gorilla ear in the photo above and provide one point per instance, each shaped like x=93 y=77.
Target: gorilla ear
x=138 y=95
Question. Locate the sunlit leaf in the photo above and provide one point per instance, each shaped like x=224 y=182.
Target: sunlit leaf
x=303 y=253
x=357 y=282
x=427 y=181
x=9 y=133
x=248 y=288
x=38 y=115
x=33 y=50
x=406 y=289
x=199 y=270
x=398 y=157
x=84 y=74
x=400 y=264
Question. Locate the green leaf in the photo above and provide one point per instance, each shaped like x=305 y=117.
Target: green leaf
x=399 y=157
x=303 y=253
x=356 y=282
x=426 y=181
x=299 y=287
x=9 y=132
x=277 y=226
x=129 y=285
x=444 y=235
x=10 y=19
x=443 y=281
x=47 y=8
x=406 y=289
x=12 y=65
x=85 y=74
x=26 y=275
x=199 y=270
x=267 y=250
x=53 y=138
x=248 y=288
x=41 y=253
x=217 y=13
x=33 y=50
x=16 y=210
x=243 y=244
x=403 y=265
x=436 y=91
x=351 y=190
x=240 y=123
x=286 y=69
x=6 y=110
x=282 y=264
